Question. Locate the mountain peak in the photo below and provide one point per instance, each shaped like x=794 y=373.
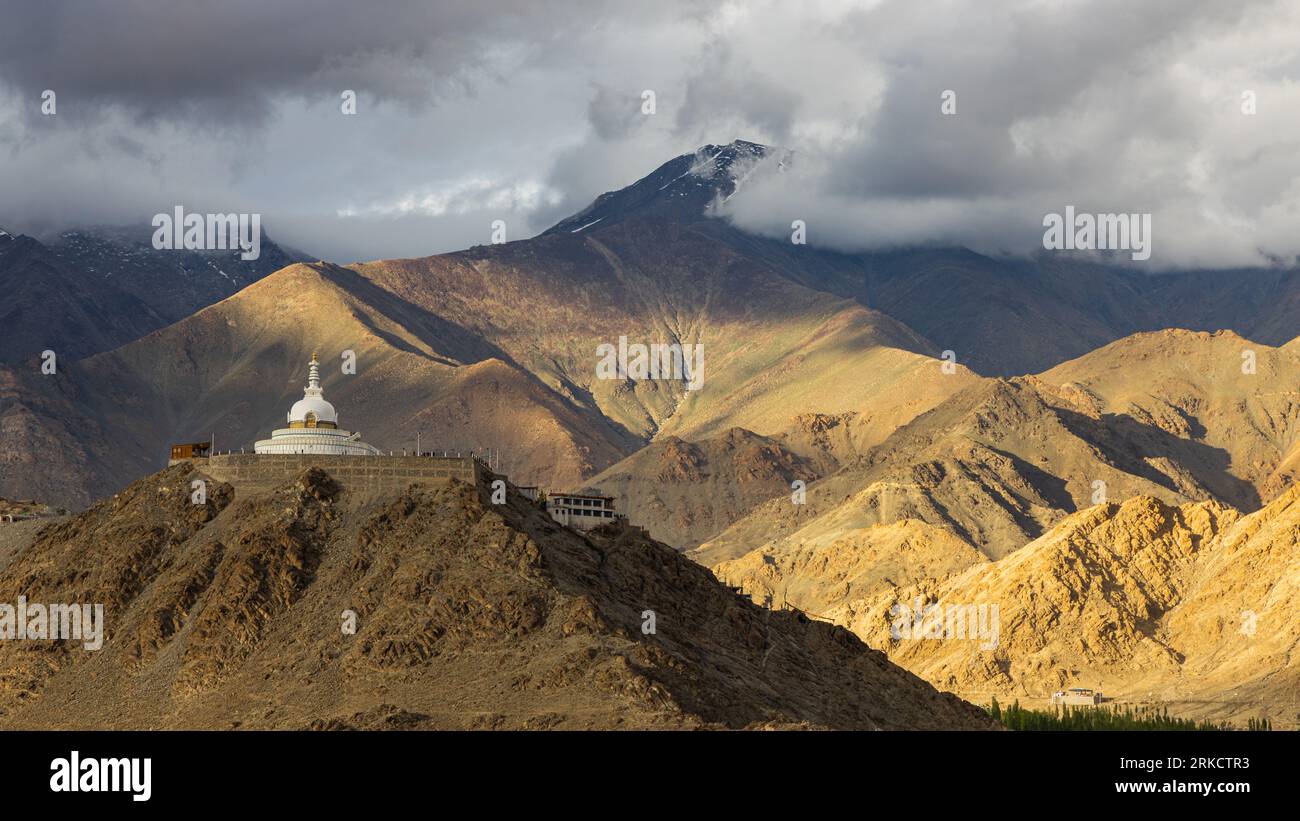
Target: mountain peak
x=680 y=190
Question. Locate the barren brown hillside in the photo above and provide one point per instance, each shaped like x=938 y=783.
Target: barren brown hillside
x=1081 y=604
x=1236 y=396
x=493 y=347
x=469 y=615
x=994 y=466
x=774 y=349
x=1188 y=606
x=234 y=369
x=976 y=500
x=684 y=492
x=1167 y=414
x=1192 y=606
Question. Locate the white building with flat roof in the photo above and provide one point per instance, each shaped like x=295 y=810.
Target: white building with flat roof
x=1077 y=697
x=582 y=511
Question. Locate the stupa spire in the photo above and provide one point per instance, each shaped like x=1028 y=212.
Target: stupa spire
x=313 y=373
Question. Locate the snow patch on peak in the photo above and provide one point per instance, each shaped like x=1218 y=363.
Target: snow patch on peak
x=682 y=189
x=711 y=160
x=705 y=164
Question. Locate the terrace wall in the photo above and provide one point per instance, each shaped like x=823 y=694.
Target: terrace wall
x=264 y=471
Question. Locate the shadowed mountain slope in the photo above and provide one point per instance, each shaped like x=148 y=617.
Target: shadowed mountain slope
x=683 y=492
x=235 y=368
x=468 y=615
x=91 y=290
x=1221 y=390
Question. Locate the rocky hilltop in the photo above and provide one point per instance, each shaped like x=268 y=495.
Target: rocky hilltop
x=231 y=613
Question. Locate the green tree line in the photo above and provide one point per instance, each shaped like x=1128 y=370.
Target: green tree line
x=1112 y=717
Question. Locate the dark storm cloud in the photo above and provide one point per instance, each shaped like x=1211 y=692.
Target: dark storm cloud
x=469 y=112
x=231 y=59
x=731 y=82
x=614 y=113
x=1109 y=106
x=1031 y=62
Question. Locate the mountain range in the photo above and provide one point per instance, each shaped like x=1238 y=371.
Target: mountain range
x=792 y=333
x=90 y=290
x=1103 y=440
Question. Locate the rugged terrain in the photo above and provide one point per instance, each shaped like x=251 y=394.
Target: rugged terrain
x=1152 y=446
x=1087 y=460
x=1236 y=396
x=87 y=291
x=490 y=347
x=468 y=615
x=495 y=346
x=1167 y=414
x=684 y=492
x=1191 y=606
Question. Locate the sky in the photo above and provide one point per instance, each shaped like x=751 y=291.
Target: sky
x=471 y=112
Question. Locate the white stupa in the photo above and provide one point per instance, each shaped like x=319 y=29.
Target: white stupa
x=313 y=426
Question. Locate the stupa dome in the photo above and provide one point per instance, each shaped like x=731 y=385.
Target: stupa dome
x=314 y=407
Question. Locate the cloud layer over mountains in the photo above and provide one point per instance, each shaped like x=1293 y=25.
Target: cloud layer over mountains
x=471 y=112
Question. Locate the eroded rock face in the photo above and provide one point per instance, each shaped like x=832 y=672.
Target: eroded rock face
x=1189 y=605
x=1085 y=600
x=314 y=606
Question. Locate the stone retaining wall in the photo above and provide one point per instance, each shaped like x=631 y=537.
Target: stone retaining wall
x=264 y=471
